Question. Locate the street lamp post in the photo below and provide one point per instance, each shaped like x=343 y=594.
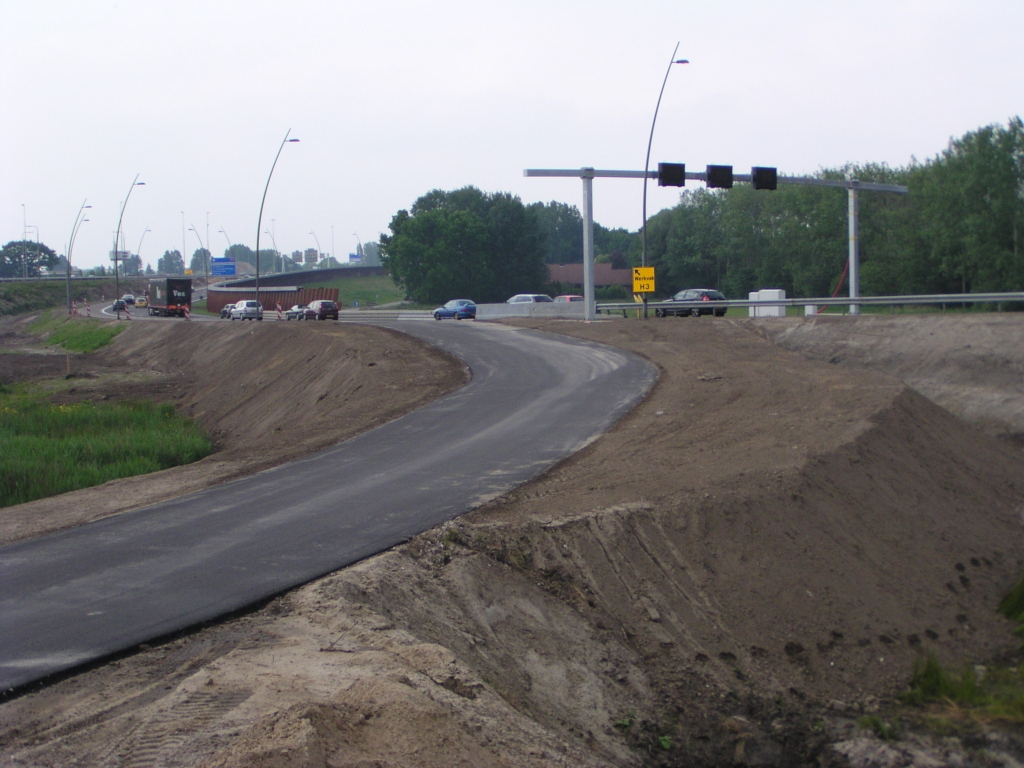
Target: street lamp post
x=203 y=248
x=71 y=245
x=138 y=251
x=647 y=161
x=117 y=238
x=359 y=247
x=274 y=241
x=221 y=230
x=259 y=221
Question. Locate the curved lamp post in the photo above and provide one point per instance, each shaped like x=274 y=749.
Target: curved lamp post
x=259 y=221
x=221 y=230
x=71 y=245
x=359 y=250
x=280 y=265
x=138 y=251
x=647 y=161
x=117 y=239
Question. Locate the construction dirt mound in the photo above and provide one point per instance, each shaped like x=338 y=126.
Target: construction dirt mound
x=741 y=567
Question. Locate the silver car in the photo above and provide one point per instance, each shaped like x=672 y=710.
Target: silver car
x=250 y=309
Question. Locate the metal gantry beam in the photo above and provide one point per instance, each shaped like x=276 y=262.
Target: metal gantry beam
x=588 y=175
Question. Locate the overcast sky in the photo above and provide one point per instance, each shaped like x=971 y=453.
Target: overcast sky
x=392 y=99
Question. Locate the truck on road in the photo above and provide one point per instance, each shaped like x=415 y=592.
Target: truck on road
x=170 y=296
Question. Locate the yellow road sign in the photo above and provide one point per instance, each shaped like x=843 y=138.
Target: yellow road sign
x=643 y=279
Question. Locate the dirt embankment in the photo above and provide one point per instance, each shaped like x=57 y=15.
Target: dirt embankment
x=764 y=538
x=265 y=392
x=967 y=363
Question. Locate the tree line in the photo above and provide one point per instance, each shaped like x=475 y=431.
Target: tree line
x=959 y=229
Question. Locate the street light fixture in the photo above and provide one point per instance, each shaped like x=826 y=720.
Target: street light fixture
x=221 y=230
x=117 y=239
x=71 y=245
x=280 y=266
x=359 y=248
x=138 y=251
x=203 y=248
x=259 y=221
x=647 y=161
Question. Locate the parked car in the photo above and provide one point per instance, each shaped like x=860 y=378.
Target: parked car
x=300 y=312
x=141 y=301
x=694 y=294
x=460 y=309
x=225 y=311
x=128 y=299
x=119 y=306
x=250 y=309
x=528 y=298
x=567 y=298
x=324 y=308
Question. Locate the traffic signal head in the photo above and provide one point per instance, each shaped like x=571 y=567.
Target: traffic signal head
x=671 y=174
x=764 y=178
x=719 y=176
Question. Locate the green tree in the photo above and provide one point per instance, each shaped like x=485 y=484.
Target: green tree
x=464 y=243
x=131 y=265
x=171 y=263
x=25 y=258
x=561 y=226
x=200 y=263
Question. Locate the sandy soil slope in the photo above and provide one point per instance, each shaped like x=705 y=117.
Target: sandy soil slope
x=967 y=363
x=767 y=538
x=265 y=392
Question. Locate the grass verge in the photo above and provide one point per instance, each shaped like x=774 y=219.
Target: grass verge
x=48 y=449
x=368 y=291
x=78 y=335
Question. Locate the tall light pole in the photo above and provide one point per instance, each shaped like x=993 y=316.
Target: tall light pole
x=274 y=241
x=259 y=221
x=221 y=230
x=318 y=254
x=647 y=161
x=117 y=238
x=203 y=248
x=138 y=251
x=332 y=246
x=359 y=247
x=209 y=255
x=71 y=245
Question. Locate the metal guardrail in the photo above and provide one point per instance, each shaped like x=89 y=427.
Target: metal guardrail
x=939 y=298
x=372 y=315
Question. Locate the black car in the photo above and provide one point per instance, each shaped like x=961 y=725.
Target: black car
x=694 y=294
x=119 y=306
x=323 y=309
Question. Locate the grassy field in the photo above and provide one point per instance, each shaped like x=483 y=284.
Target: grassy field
x=47 y=449
x=367 y=291
x=80 y=335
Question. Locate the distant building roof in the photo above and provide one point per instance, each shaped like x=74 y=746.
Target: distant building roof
x=603 y=274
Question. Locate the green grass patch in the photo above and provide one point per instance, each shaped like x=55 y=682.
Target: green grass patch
x=31 y=295
x=958 y=700
x=368 y=290
x=48 y=449
x=74 y=335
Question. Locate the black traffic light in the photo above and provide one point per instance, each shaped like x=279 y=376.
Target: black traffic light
x=671 y=174
x=719 y=176
x=764 y=178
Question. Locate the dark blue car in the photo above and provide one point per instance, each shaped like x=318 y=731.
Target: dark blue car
x=460 y=309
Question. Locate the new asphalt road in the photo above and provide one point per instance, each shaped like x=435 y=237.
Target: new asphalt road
x=77 y=596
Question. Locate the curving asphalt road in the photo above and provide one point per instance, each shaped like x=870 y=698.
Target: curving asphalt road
x=77 y=596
